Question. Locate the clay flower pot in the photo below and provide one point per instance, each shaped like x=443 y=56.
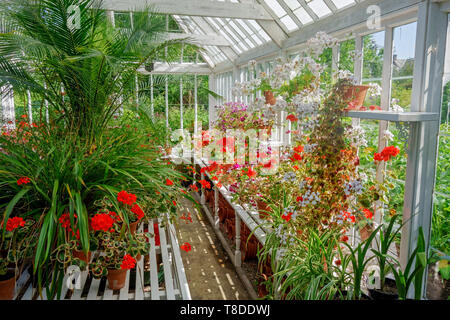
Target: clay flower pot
x=7 y=286
x=82 y=256
x=133 y=227
x=365 y=232
x=355 y=95
x=116 y=278
x=263 y=209
x=270 y=98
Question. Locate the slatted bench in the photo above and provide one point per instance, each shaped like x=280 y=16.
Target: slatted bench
x=165 y=282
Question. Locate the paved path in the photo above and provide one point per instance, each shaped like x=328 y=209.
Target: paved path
x=210 y=273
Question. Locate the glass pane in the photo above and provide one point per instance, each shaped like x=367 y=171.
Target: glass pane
x=403 y=64
x=342 y=3
x=373 y=52
x=319 y=7
x=289 y=23
x=346 y=55
x=303 y=16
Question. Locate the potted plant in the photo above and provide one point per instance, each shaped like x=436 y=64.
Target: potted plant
x=355 y=96
x=387 y=236
x=15 y=247
x=119 y=254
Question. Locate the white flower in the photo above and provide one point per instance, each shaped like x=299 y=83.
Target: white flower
x=388 y=136
x=395 y=107
x=374 y=90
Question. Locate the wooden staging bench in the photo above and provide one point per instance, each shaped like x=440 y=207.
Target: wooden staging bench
x=164 y=282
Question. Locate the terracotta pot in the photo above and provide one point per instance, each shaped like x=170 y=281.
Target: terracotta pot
x=263 y=209
x=365 y=232
x=116 y=278
x=133 y=227
x=268 y=128
x=249 y=249
x=82 y=256
x=270 y=98
x=355 y=96
x=7 y=287
x=138 y=257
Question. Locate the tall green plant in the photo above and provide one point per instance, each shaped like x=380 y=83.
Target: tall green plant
x=85 y=72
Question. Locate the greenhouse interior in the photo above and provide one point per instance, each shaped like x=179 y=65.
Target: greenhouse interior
x=225 y=150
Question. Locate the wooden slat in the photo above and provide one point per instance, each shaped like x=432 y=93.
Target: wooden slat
x=139 y=287
x=108 y=294
x=153 y=267
x=184 y=286
x=93 y=289
x=77 y=292
x=22 y=281
x=29 y=293
x=123 y=295
x=167 y=263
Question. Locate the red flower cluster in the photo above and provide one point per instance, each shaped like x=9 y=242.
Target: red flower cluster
x=194 y=187
x=23 y=180
x=102 y=222
x=368 y=214
x=138 y=212
x=387 y=154
x=287 y=217
x=348 y=216
x=187 y=218
x=250 y=173
x=205 y=184
x=128 y=262
x=127 y=198
x=115 y=216
x=64 y=220
x=292 y=118
x=186 y=247
x=169 y=182
x=14 y=223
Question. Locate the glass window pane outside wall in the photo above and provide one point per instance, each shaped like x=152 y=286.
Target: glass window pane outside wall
x=373 y=56
x=346 y=55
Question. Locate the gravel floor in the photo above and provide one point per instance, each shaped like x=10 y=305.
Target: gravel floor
x=210 y=273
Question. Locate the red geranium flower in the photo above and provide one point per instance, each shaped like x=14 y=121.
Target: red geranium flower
x=127 y=198
x=250 y=173
x=368 y=214
x=64 y=220
x=287 y=217
x=387 y=154
x=292 y=118
x=299 y=149
x=138 y=211
x=23 y=180
x=205 y=184
x=128 y=262
x=115 y=216
x=14 y=223
x=194 y=187
x=186 y=247
x=169 y=182
x=102 y=222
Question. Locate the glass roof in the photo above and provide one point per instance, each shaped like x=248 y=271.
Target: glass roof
x=244 y=35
